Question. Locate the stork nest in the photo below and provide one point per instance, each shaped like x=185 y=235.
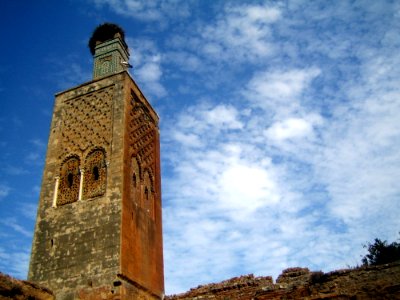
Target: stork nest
x=105 y=32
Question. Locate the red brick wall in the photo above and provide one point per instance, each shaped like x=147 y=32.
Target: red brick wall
x=141 y=230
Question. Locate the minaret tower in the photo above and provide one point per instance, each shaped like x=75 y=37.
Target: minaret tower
x=98 y=231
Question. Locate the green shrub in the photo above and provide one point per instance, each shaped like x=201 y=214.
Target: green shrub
x=380 y=252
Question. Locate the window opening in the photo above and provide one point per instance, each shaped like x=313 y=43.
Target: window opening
x=70 y=179
x=146 y=193
x=134 y=179
x=96 y=174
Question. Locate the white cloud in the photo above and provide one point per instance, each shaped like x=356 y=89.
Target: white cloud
x=245 y=188
x=280 y=91
x=293 y=128
x=222 y=116
x=150 y=74
x=147 y=68
x=205 y=119
x=289 y=128
x=256 y=197
x=226 y=196
x=186 y=61
x=189 y=140
x=359 y=162
x=241 y=33
x=148 y=10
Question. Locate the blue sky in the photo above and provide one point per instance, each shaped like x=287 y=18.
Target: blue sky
x=280 y=128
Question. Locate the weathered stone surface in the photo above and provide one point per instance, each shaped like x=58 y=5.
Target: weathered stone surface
x=98 y=231
x=11 y=288
x=377 y=282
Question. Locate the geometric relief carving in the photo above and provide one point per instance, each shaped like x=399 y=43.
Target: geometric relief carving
x=142 y=146
x=68 y=190
x=87 y=121
x=142 y=134
x=95 y=174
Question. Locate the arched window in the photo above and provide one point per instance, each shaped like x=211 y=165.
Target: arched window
x=135 y=181
x=148 y=193
x=95 y=174
x=68 y=190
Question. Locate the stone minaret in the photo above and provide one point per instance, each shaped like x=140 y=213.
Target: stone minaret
x=98 y=231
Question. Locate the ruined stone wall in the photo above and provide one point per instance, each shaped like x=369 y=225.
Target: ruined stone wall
x=11 y=288
x=376 y=282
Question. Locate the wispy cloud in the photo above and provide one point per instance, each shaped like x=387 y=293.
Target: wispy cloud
x=240 y=33
x=4 y=190
x=36 y=154
x=160 y=11
x=13 y=223
x=70 y=71
x=16 y=261
x=28 y=210
x=14 y=170
x=227 y=195
x=147 y=68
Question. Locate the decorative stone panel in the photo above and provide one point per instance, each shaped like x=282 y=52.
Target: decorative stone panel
x=95 y=174
x=142 y=129
x=142 y=134
x=68 y=191
x=109 y=57
x=87 y=122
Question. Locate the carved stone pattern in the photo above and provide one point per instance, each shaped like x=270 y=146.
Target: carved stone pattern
x=68 y=190
x=142 y=134
x=86 y=122
x=94 y=184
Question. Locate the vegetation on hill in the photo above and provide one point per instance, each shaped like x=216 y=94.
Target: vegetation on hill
x=381 y=252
